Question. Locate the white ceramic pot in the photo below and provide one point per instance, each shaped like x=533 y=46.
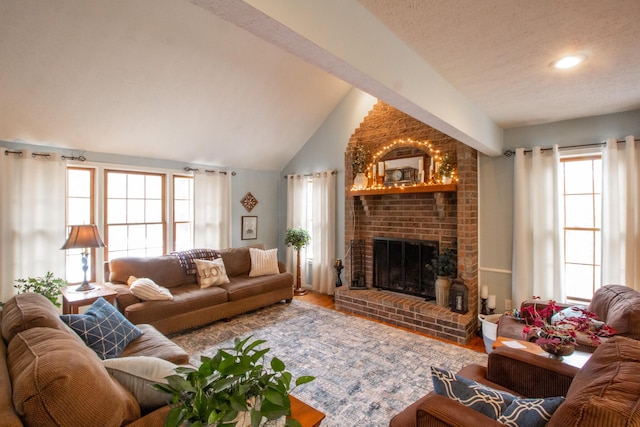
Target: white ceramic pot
x=446 y=180
x=361 y=181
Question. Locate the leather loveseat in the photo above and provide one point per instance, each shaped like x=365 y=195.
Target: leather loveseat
x=193 y=306
x=604 y=393
x=49 y=376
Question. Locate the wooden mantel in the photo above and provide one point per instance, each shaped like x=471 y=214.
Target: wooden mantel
x=431 y=188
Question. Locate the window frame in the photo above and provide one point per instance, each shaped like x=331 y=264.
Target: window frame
x=92 y=272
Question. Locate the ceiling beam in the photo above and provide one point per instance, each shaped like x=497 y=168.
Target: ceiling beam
x=344 y=39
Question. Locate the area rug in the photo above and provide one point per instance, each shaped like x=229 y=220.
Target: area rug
x=366 y=372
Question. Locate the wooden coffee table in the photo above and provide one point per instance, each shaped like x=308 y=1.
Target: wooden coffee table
x=72 y=299
x=577 y=359
x=307 y=415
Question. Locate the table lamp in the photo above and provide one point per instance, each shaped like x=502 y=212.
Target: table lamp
x=83 y=237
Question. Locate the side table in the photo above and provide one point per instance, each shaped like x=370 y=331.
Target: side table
x=72 y=299
x=577 y=359
x=308 y=416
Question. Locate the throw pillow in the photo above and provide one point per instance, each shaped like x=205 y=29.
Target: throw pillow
x=146 y=289
x=103 y=328
x=131 y=279
x=211 y=273
x=263 y=262
x=472 y=394
x=138 y=373
x=530 y=412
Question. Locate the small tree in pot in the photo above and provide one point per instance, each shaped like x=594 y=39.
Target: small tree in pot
x=298 y=238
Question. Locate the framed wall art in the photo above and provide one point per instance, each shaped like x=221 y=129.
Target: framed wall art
x=249 y=227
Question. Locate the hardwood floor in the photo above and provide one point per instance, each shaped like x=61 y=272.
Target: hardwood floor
x=326 y=301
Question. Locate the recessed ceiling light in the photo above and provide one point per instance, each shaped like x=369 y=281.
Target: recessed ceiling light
x=569 y=61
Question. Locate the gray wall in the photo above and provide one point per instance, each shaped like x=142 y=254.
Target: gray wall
x=496 y=187
x=324 y=151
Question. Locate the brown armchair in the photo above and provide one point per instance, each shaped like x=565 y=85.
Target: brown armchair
x=603 y=393
x=616 y=305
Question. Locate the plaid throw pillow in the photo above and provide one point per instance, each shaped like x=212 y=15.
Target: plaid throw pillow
x=187 y=258
x=103 y=328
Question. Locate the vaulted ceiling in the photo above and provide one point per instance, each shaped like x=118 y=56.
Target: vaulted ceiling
x=246 y=83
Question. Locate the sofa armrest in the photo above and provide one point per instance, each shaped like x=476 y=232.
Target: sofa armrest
x=124 y=297
x=152 y=419
x=281 y=267
x=439 y=410
x=529 y=374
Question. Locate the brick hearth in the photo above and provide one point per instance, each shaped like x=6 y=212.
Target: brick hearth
x=407 y=312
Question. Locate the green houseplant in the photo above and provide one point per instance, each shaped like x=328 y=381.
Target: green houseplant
x=48 y=286
x=234 y=382
x=298 y=238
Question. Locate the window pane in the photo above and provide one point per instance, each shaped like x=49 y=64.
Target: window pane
x=153 y=211
x=79 y=183
x=181 y=188
x=579 y=280
x=579 y=246
x=598 y=210
x=79 y=211
x=135 y=186
x=117 y=211
x=117 y=237
x=135 y=211
x=154 y=187
x=578 y=177
x=117 y=185
x=155 y=237
x=137 y=236
x=182 y=210
x=579 y=211
x=597 y=176
x=183 y=236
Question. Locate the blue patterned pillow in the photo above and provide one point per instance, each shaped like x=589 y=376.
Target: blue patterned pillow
x=530 y=412
x=103 y=328
x=479 y=397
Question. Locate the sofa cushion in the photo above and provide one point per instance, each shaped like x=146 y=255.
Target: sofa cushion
x=153 y=343
x=29 y=310
x=103 y=328
x=59 y=381
x=530 y=412
x=211 y=273
x=138 y=374
x=472 y=394
x=605 y=392
x=165 y=270
x=263 y=263
x=241 y=287
x=619 y=307
x=148 y=290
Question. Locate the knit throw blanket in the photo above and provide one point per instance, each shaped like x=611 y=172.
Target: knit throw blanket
x=187 y=258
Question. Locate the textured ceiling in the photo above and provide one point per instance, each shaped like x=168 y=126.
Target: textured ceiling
x=497 y=53
x=223 y=82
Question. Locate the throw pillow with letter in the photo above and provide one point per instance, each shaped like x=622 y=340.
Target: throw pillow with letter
x=472 y=394
x=263 y=263
x=103 y=328
x=211 y=273
x=148 y=290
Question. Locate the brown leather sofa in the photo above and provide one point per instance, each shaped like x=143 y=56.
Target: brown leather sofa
x=193 y=306
x=48 y=376
x=604 y=393
x=616 y=305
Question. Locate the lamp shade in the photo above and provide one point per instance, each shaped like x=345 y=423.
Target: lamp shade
x=83 y=236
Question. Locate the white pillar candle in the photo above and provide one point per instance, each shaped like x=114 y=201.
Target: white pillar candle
x=380 y=168
x=420 y=165
x=484 y=292
x=491 y=302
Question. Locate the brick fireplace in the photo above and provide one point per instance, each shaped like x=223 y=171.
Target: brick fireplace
x=448 y=218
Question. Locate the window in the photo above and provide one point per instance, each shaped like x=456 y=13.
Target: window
x=134 y=214
x=582 y=202
x=182 y=213
x=309 y=219
x=80 y=202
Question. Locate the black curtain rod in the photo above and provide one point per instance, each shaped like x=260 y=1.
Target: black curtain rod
x=292 y=175
x=510 y=153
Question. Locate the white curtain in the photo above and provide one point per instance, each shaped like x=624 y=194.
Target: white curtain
x=32 y=218
x=538 y=255
x=296 y=218
x=620 y=214
x=212 y=210
x=324 y=225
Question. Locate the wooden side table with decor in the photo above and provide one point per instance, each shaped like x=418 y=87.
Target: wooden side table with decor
x=72 y=299
x=577 y=359
x=307 y=415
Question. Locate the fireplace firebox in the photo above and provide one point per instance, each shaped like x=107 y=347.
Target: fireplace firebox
x=400 y=265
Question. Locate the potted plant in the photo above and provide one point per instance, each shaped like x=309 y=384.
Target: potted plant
x=556 y=330
x=444 y=266
x=298 y=238
x=232 y=388
x=359 y=162
x=48 y=286
x=446 y=169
